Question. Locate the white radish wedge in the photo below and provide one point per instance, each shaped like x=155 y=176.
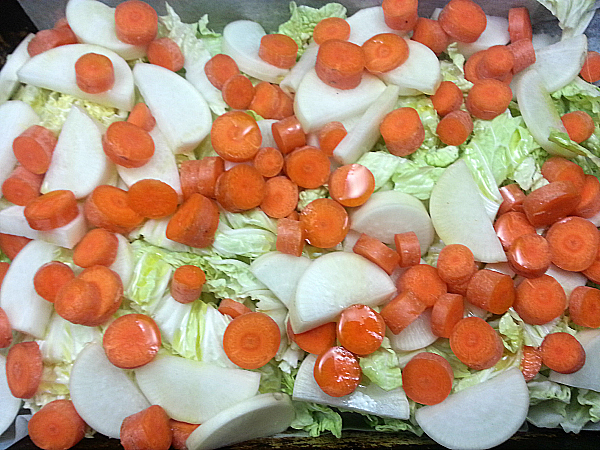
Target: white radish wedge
x=26 y=310
x=316 y=103
x=420 y=73
x=387 y=213
x=124 y=262
x=306 y=62
x=366 y=399
x=102 y=393
x=260 y=416
x=79 y=163
x=587 y=376
x=8 y=74
x=180 y=111
x=54 y=70
x=333 y=282
x=366 y=23
x=459 y=215
x=93 y=22
x=15 y=117
x=241 y=41
x=495 y=33
x=195 y=74
x=280 y=272
x=478 y=417
x=10 y=405
x=361 y=138
x=415 y=336
x=266 y=131
x=208 y=387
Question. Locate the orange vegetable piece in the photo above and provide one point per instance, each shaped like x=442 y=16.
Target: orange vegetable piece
x=529 y=255
x=50 y=278
x=48 y=39
x=24 y=369
x=127 y=144
x=290 y=236
x=330 y=135
x=110 y=288
x=447 y=311
x=531 y=362
x=308 y=167
x=337 y=371
x=219 y=69
x=131 y=341
x=557 y=168
x=456 y=263
x=279 y=50
x=476 y=343
x=579 y=124
x=331 y=28
x=408 y=247
x=232 y=308
x=195 y=222
x=509 y=226
x=22 y=186
x=523 y=54
x=384 y=52
x=512 y=198
x=573 y=243
x=148 y=429
x=316 y=340
x=200 y=175
x=108 y=207
x=51 y=210
x=491 y=290
x=268 y=161
x=235 y=136
x=136 y=22
x=288 y=134
x=590 y=71
x=153 y=199
x=141 y=116
x=240 y=188
x=187 y=282
x=427 y=378
x=400 y=15
x=181 y=431
x=539 y=300
x=447 y=98
x=11 y=244
x=455 y=127
x=97 y=247
x=488 y=98
x=550 y=203
x=166 y=53
x=94 y=73
x=497 y=62
x=325 y=222
x=519 y=24
x=56 y=426
x=562 y=352
x=351 y=185
x=33 y=148
x=78 y=301
x=424 y=281
x=340 y=64
x=360 y=329
x=463 y=20
x=281 y=197
x=584 y=306
x=238 y=92
x=402 y=310
x=5 y=330
x=589 y=205
x=430 y=33
x=402 y=131
x=377 y=252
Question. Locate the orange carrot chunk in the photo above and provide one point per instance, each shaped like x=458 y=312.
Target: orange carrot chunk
x=557 y=168
x=136 y=22
x=360 y=329
x=187 y=282
x=268 y=161
x=279 y=50
x=531 y=362
x=127 y=144
x=351 y=185
x=141 y=116
x=240 y=188
x=107 y=207
x=110 y=288
x=340 y=64
x=593 y=272
x=34 y=147
x=488 y=98
x=181 y=431
x=455 y=127
x=308 y=167
x=195 y=222
x=5 y=330
x=529 y=255
x=325 y=222
x=408 y=248
x=456 y=263
x=400 y=15
x=402 y=310
x=235 y=136
x=510 y=226
x=24 y=369
x=131 y=341
x=424 y=281
x=331 y=28
x=11 y=244
x=427 y=378
x=166 y=53
x=573 y=243
x=152 y=198
x=97 y=247
x=590 y=71
x=238 y=92
x=290 y=236
x=447 y=311
x=79 y=302
x=47 y=39
x=337 y=371
x=50 y=278
x=402 y=131
x=471 y=65
x=384 y=52
x=22 y=186
x=219 y=69
x=539 y=300
x=94 y=73
x=550 y=203
x=3 y=269
x=491 y=290
x=476 y=343
x=497 y=62
x=430 y=33
x=316 y=340
x=56 y=426
x=148 y=429
x=562 y=352
x=463 y=20
x=512 y=198
x=200 y=175
x=579 y=124
x=584 y=306
x=330 y=135
x=519 y=24
x=376 y=252
x=523 y=54
x=251 y=340
x=589 y=205
x=281 y=197
x=232 y=308
x=447 y=98
x=266 y=100
x=51 y=210
x=288 y=134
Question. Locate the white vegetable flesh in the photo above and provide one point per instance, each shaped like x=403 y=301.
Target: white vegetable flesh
x=10 y=404
x=416 y=335
x=8 y=73
x=495 y=33
x=587 y=376
x=366 y=23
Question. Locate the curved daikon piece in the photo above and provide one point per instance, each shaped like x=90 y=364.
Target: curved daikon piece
x=266 y=131
x=8 y=74
x=495 y=33
x=54 y=70
x=306 y=62
x=10 y=405
x=587 y=376
x=124 y=262
x=366 y=23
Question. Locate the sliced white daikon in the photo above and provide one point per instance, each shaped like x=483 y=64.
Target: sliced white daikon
x=538 y=110
x=15 y=117
x=587 y=376
x=93 y=22
x=415 y=336
x=495 y=33
x=541 y=40
x=350 y=240
x=26 y=310
x=366 y=23
x=78 y=163
x=13 y=221
x=10 y=405
x=316 y=103
x=8 y=73
x=280 y=272
x=102 y=393
x=502 y=267
x=195 y=74
x=54 y=70
x=241 y=41
x=369 y=399
x=266 y=131
x=306 y=62
x=180 y=111
x=208 y=387
x=459 y=215
x=124 y=262
x=420 y=73
x=162 y=166
x=480 y=416
x=260 y=416
x=365 y=134
x=333 y=282
x=387 y=213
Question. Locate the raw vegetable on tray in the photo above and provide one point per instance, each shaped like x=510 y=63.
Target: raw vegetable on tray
x=376 y=219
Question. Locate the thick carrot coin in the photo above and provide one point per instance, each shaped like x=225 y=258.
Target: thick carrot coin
x=360 y=329
x=593 y=272
x=447 y=312
x=488 y=98
x=557 y=168
x=34 y=147
x=97 y=247
x=447 y=98
x=238 y=92
x=510 y=226
x=539 y=300
x=220 y=68
x=308 y=167
x=430 y=33
x=51 y=210
x=195 y=222
x=5 y=330
x=136 y=22
x=240 y=188
x=463 y=20
x=232 y=308
x=288 y=134
x=187 y=282
x=3 y=269
x=278 y=50
x=331 y=28
x=408 y=248
x=153 y=199
x=531 y=362
x=11 y=244
x=148 y=429
x=512 y=198
x=141 y=116
x=427 y=378
x=330 y=136
x=529 y=255
x=340 y=64
x=523 y=54
x=519 y=24
x=584 y=306
x=24 y=369
x=400 y=14
x=290 y=236
x=402 y=131
x=424 y=281
x=337 y=372
x=285 y=107
x=108 y=207
x=325 y=222
x=456 y=263
x=281 y=197
x=94 y=73
x=268 y=161
x=316 y=340
x=127 y=144
x=166 y=53
x=131 y=341
x=476 y=343
x=79 y=302
x=50 y=278
x=590 y=71
x=22 y=186
x=235 y=136
x=181 y=431
x=497 y=62
x=266 y=101
x=551 y=202
x=402 y=310
x=56 y=426
x=562 y=352
x=200 y=175
x=377 y=252
x=455 y=128
x=52 y=38
x=589 y=205
x=384 y=52
x=110 y=288
x=471 y=65
x=351 y=185
x=573 y=243
x=491 y=290
x=579 y=124
x=251 y=340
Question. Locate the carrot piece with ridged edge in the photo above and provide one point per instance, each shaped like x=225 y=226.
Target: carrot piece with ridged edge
x=131 y=341
x=476 y=343
x=56 y=426
x=50 y=278
x=427 y=378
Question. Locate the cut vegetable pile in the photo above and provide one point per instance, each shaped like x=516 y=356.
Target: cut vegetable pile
x=381 y=219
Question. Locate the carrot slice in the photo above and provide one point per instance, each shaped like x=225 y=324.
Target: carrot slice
x=131 y=341
x=510 y=226
x=22 y=186
x=476 y=343
x=360 y=329
x=290 y=236
x=408 y=248
x=285 y=107
x=220 y=68
x=531 y=362
x=550 y=203
x=492 y=291
x=34 y=147
x=384 y=52
x=584 y=306
x=430 y=33
x=402 y=131
x=590 y=71
x=3 y=269
x=235 y=136
x=427 y=378
x=557 y=168
x=281 y=197
x=308 y=167
x=195 y=222
x=463 y=20
x=589 y=205
x=316 y=340
x=127 y=144
x=539 y=300
x=141 y=116
x=488 y=98
x=232 y=308
x=351 y=185
x=107 y=207
x=447 y=98
x=5 y=329
x=166 y=53
x=109 y=286
x=447 y=312
x=562 y=352
x=402 y=310
x=94 y=73
x=238 y=92
x=456 y=263
x=181 y=431
x=240 y=188
x=529 y=255
x=593 y=272
x=24 y=369
x=376 y=252
x=148 y=429
x=523 y=54
x=512 y=198
x=56 y=426
x=51 y=210
x=325 y=222
x=152 y=198
x=471 y=65
x=424 y=281
x=340 y=64
x=455 y=127
x=136 y=22
x=497 y=62
x=79 y=302
x=400 y=15
x=268 y=161
x=187 y=282
x=11 y=244
x=331 y=28
x=200 y=175
x=330 y=135
x=251 y=340
x=519 y=24
x=337 y=372
x=579 y=124
x=266 y=100
x=573 y=243
x=50 y=278
x=278 y=50
x=288 y=134
x=97 y=247
x=47 y=39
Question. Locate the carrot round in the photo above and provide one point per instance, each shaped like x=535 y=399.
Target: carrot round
x=351 y=185
x=48 y=39
x=290 y=236
x=131 y=341
x=512 y=198
x=519 y=24
x=471 y=65
x=240 y=188
x=107 y=207
x=573 y=243
x=187 y=282
x=200 y=175
x=4 y=265
x=136 y=22
x=523 y=55
x=377 y=252
x=562 y=352
x=22 y=186
x=281 y=197
x=232 y=308
x=195 y=222
x=529 y=255
x=584 y=306
x=56 y=426
x=316 y=340
x=400 y=15
x=330 y=135
x=268 y=161
x=476 y=343
x=589 y=205
x=308 y=167
x=5 y=330
x=488 y=98
x=110 y=288
x=497 y=61
x=97 y=247
x=24 y=369
x=455 y=127
x=148 y=429
x=340 y=64
x=590 y=71
x=592 y=273
x=408 y=248
x=384 y=52
x=579 y=124
x=267 y=100
x=51 y=210
x=402 y=310
x=491 y=290
x=127 y=144
x=331 y=28
x=238 y=92
x=278 y=50
x=141 y=116
x=152 y=198
x=34 y=147
x=288 y=134
x=219 y=69
x=235 y=136
x=430 y=33
x=166 y=53
x=251 y=340
x=181 y=431
x=557 y=168
x=550 y=203
x=337 y=371
x=463 y=20
x=78 y=301
x=325 y=222
x=424 y=281
x=427 y=378
x=11 y=244
x=456 y=263
x=531 y=362
x=447 y=98
x=360 y=329
x=285 y=105
x=447 y=311
x=94 y=73
x=402 y=131
x=539 y=300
